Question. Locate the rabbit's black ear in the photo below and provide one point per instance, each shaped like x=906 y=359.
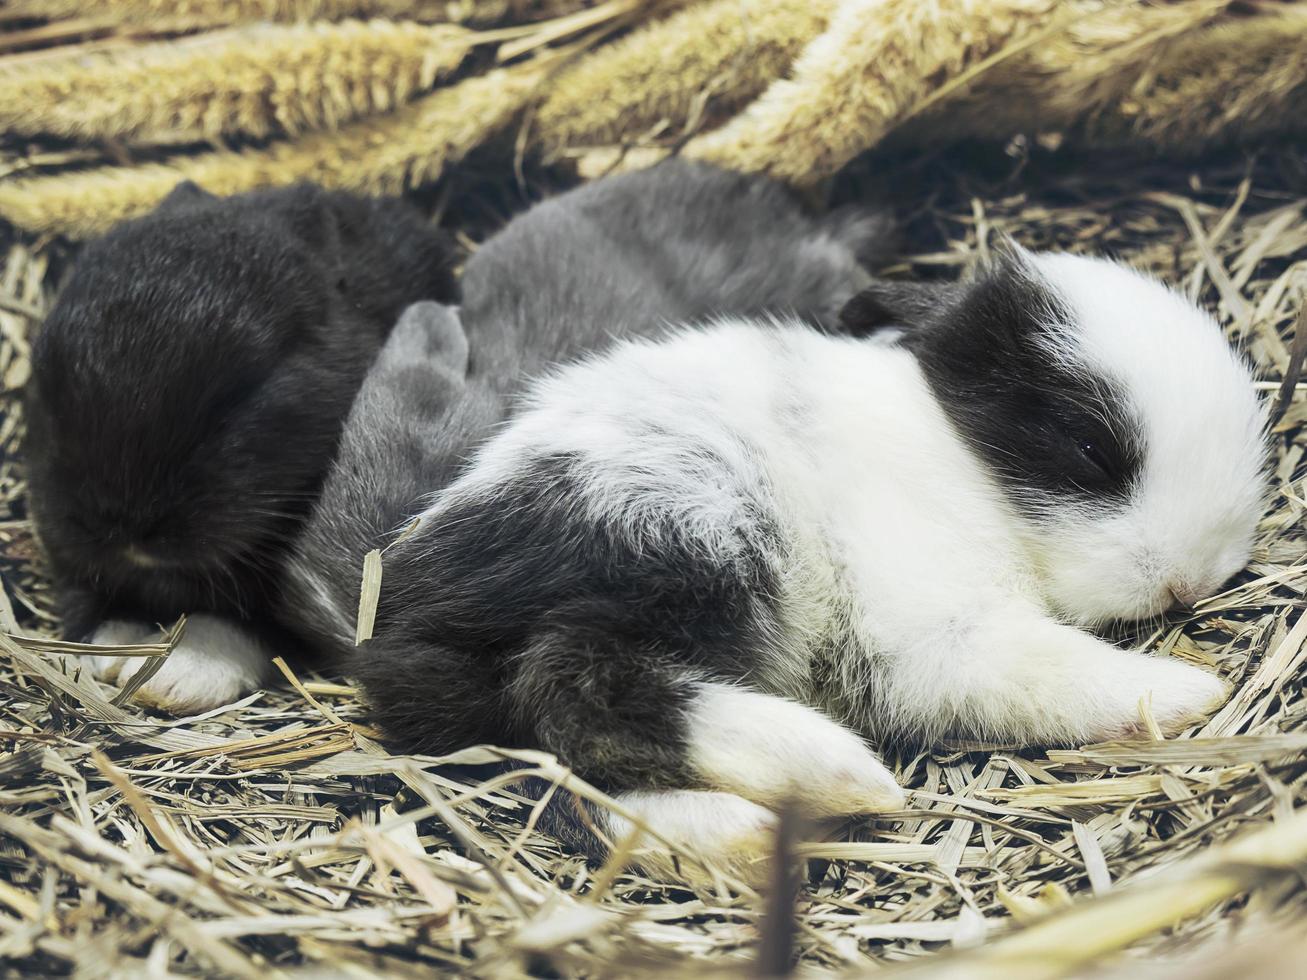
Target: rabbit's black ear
x=1007 y=254
x=185 y=194
x=901 y=305
x=311 y=214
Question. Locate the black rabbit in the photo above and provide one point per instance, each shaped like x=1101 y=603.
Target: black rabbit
x=187 y=395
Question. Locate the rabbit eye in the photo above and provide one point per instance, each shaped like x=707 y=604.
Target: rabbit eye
x=1095 y=455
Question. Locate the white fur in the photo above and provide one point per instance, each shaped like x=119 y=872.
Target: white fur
x=946 y=609
x=770 y=750
x=115 y=633
x=726 y=830
x=215 y=663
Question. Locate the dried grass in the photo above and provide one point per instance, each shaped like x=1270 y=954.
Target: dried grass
x=1173 y=76
x=876 y=60
x=277 y=835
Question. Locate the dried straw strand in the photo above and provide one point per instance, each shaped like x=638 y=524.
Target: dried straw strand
x=380 y=155
x=251 y=81
x=1083 y=934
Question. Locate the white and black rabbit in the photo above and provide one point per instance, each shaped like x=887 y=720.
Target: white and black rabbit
x=625 y=256
x=188 y=391
x=700 y=570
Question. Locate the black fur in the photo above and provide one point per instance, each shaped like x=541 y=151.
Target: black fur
x=189 y=388
x=538 y=629
x=1044 y=430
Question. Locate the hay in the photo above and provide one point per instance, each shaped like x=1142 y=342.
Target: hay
x=693 y=69
x=277 y=835
x=1175 y=77
x=875 y=61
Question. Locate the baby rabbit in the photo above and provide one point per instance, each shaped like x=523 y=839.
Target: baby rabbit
x=187 y=395
x=699 y=570
x=624 y=256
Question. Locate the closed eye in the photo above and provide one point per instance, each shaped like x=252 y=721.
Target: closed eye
x=1094 y=453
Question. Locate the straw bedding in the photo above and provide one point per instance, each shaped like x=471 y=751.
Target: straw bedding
x=278 y=835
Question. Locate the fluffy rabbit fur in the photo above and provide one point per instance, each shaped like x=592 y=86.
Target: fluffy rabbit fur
x=188 y=392
x=699 y=570
x=621 y=257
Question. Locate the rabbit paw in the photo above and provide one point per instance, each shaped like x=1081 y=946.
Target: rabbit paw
x=770 y=750
x=215 y=663
x=113 y=633
x=721 y=829
x=1177 y=694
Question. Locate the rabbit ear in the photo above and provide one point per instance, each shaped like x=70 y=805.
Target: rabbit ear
x=312 y=216
x=183 y=195
x=1002 y=312
x=1006 y=252
x=989 y=292
x=912 y=306
x=902 y=305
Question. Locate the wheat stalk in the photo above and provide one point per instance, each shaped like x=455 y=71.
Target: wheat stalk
x=183 y=14
x=850 y=84
x=252 y=81
x=381 y=155
x=1175 y=76
x=1239 y=80
x=692 y=68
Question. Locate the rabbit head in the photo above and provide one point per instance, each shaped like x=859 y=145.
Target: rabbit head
x=1122 y=427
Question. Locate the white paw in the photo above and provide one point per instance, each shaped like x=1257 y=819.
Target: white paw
x=1186 y=696
x=112 y=633
x=1177 y=694
x=717 y=828
x=847 y=779
x=215 y=663
x=770 y=750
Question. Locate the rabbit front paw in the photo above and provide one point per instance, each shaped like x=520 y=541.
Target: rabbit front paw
x=1177 y=695
x=215 y=663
